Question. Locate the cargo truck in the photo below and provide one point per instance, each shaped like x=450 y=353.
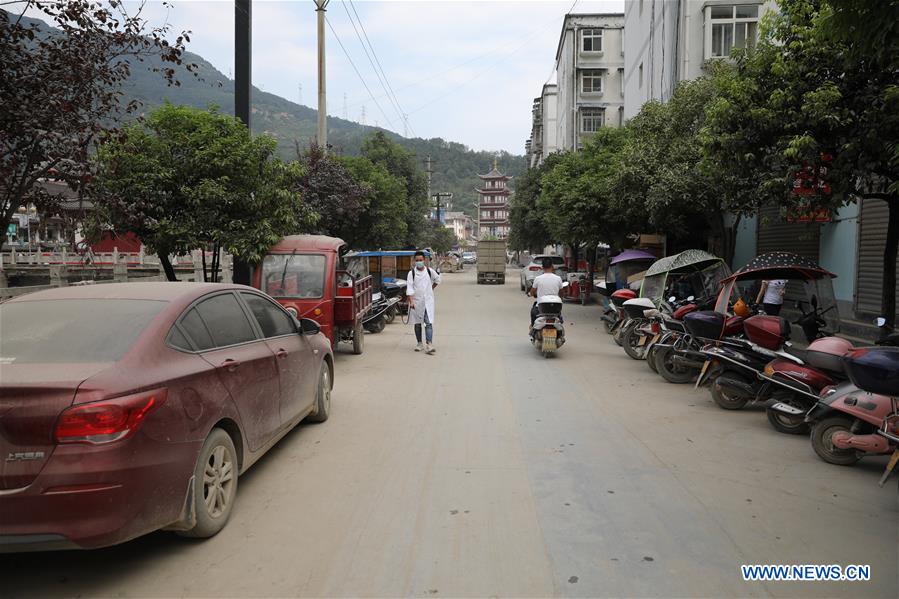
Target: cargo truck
x=491 y=261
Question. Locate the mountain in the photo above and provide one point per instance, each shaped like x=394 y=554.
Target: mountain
x=455 y=166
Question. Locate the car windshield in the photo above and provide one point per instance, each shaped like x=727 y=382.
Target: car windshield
x=557 y=260
x=76 y=330
x=294 y=275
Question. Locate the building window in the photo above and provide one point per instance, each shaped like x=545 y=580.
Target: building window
x=591 y=40
x=592 y=119
x=621 y=81
x=591 y=81
x=731 y=27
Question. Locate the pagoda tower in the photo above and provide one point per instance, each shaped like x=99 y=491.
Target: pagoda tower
x=493 y=204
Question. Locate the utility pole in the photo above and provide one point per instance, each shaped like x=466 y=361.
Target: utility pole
x=320 y=6
x=405 y=125
x=243 y=27
x=428 y=171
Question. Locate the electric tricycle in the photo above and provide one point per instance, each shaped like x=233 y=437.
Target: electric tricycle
x=308 y=275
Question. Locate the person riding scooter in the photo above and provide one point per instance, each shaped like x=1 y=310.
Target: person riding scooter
x=548 y=283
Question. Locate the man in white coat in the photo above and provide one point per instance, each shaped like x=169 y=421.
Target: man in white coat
x=420 y=284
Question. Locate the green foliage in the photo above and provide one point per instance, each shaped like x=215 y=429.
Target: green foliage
x=190 y=179
x=528 y=229
x=383 y=223
x=439 y=238
x=578 y=199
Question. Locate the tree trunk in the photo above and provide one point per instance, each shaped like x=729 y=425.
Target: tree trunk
x=888 y=292
x=203 y=259
x=730 y=240
x=167 y=265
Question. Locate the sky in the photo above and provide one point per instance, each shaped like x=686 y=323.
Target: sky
x=464 y=71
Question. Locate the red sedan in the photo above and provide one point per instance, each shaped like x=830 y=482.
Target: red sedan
x=130 y=407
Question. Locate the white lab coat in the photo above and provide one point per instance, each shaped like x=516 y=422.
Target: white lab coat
x=420 y=289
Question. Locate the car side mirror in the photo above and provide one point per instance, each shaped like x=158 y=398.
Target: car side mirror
x=309 y=327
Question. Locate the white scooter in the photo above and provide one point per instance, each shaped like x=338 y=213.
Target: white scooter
x=548 y=333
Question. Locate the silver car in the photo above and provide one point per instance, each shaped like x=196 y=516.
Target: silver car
x=535 y=267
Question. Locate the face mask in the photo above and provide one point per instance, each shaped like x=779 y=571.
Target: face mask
x=419 y=264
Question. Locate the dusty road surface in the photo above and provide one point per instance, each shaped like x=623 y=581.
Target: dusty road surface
x=486 y=470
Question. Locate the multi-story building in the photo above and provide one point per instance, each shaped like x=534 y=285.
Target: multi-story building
x=589 y=76
x=667 y=41
x=493 y=204
x=543 y=127
x=461 y=225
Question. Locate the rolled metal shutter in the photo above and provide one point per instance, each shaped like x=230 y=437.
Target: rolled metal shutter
x=774 y=234
x=872 y=234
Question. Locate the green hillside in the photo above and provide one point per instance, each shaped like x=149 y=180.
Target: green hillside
x=455 y=166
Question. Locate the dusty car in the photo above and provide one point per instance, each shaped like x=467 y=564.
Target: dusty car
x=535 y=267
x=130 y=407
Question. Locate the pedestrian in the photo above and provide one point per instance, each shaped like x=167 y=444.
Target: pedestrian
x=771 y=295
x=420 y=284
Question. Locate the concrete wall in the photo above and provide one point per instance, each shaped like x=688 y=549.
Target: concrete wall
x=745 y=249
x=550 y=120
x=839 y=251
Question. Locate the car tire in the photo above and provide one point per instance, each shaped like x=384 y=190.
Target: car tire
x=358 y=339
x=823 y=446
x=322 y=396
x=215 y=482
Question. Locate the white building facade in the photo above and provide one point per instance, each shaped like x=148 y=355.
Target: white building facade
x=544 y=126
x=667 y=41
x=589 y=77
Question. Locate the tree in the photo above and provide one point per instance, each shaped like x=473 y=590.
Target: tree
x=60 y=90
x=664 y=181
x=189 y=179
x=528 y=228
x=382 y=224
x=439 y=238
x=809 y=91
x=401 y=163
x=578 y=199
x=329 y=189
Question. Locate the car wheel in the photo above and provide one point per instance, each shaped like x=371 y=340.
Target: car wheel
x=358 y=339
x=322 y=396
x=215 y=485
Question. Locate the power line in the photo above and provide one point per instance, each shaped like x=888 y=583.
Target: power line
x=358 y=74
x=553 y=70
x=396 y=101
x=392 y=100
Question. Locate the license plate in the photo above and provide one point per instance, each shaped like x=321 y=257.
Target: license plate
x=705 y=368
x=549 y=333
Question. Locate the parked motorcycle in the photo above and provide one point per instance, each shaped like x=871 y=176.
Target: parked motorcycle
x=548 y=332
x=614 y=316
x=376 y=319
x=637 y=330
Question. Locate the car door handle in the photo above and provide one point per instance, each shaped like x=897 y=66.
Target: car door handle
x=281 y=353
x=230 y=365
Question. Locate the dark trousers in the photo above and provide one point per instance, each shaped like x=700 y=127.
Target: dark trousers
x=772 y=309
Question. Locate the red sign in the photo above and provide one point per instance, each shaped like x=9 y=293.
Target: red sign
x=807 y=214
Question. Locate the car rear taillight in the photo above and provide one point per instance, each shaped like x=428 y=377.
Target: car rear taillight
x=107 y=421
x=534 y=268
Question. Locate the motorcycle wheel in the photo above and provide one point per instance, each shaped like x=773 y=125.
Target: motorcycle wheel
x=823 y=432
x=631 y=343
x=607 y=325
x=787 y=423
x=670 y=370
x=725 y=399
x=377 y=325
x=650 y=359
x=618 y=334
x=391 y=315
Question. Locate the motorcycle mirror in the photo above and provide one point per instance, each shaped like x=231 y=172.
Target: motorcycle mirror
x=565 y=284
x=672 y=299
x=691 y=298
x=880 y=321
